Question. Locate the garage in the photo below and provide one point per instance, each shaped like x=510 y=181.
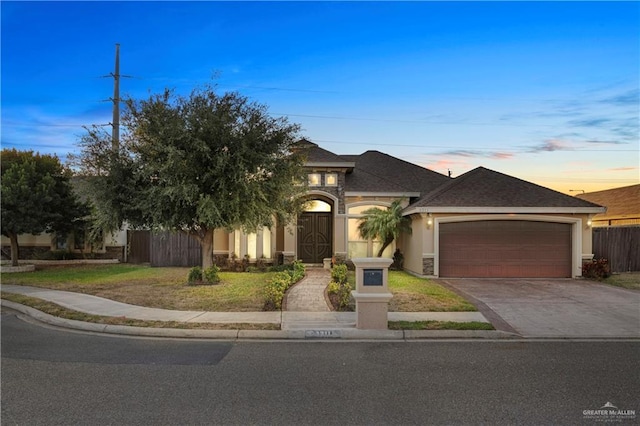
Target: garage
x=505 y=249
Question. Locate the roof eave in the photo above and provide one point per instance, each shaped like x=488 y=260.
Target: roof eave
x=505 y=210
x=381 y=194
x=333 y=164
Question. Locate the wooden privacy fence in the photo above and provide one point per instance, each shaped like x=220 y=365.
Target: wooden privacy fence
x=163 y=248
x=138 y=246
x=175 y=249
x=619 y=245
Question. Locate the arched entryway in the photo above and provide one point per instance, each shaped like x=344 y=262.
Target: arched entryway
x=315 y=231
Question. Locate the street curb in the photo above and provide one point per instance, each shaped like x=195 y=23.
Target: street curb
x=344 y=334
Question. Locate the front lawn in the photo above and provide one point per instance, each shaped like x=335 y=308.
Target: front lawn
x=413 y=294
x=152 y=287
x=238 y=291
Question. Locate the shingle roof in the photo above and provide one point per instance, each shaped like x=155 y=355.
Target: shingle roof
x=315 y=154
x=390 y=172
x=620 y=202
x=487 y=188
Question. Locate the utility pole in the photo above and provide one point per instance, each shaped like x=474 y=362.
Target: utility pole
x=115 y=132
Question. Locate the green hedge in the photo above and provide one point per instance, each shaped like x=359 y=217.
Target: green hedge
x=280 y=283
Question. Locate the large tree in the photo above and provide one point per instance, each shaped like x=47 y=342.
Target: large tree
x=384 y=225
x=194 y=164
x=36 y=197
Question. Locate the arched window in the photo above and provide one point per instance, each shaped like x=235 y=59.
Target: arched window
x=317 y=206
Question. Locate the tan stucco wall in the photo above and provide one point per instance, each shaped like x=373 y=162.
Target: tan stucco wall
x=42 y=240
x=412 y=245
x=220 y=241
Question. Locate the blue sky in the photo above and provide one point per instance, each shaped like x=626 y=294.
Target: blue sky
x=545 y=91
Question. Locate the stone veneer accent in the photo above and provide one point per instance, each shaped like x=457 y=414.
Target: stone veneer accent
x=428 y=265
x=336 y=191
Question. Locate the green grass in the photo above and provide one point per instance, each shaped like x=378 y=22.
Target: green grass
x=630 y=280
x=152 y=287
x=238 y=291
x=439 y=325
x=59 y=311
x=413 y=294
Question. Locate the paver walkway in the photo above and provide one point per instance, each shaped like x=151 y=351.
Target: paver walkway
x=308 y=294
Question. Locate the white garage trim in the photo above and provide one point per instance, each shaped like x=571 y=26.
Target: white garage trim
x=576 y=234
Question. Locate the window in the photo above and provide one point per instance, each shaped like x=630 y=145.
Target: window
x=331 y=179
x=252 y=245
x=61 y=242
x=317 y=206
x=314 y=179
x=78 y=239
x=266 y=242
x=357 y=246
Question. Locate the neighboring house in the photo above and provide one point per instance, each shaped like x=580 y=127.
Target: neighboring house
x=48 y=246
x=75 y=245
x=480 y=224
x=616 y=234
x=623 y=206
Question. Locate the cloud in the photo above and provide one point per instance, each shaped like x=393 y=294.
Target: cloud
x=598 y=142
x=631 y=97
x=589 y=122
x=552 y=145
x=622 y=169
x=496 y=155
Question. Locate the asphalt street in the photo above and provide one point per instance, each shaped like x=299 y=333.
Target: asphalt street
x=52 y=376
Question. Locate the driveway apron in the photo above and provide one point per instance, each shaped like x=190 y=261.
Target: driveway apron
x=559 y=308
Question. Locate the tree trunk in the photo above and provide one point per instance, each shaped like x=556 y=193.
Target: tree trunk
x=206 y=243
x=384 y=246
x=14 y=248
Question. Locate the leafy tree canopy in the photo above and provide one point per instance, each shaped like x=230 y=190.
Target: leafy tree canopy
x=36 y=196
x=195 y=163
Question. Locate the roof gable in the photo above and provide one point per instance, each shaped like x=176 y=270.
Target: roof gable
x=392 y=171
x=486 y=188
x=316 y=156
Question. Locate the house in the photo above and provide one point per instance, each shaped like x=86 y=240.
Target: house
x=623 y=206
x=480 y=224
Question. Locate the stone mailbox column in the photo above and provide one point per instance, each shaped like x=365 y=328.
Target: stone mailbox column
x=372 y=292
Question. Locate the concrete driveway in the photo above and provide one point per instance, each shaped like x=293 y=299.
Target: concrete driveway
x=553 y=307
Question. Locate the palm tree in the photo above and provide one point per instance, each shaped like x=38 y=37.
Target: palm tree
x=384 y=225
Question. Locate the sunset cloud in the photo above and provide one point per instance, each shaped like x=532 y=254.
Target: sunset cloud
x=496 y=155
x=552 y=145
x=622 y=169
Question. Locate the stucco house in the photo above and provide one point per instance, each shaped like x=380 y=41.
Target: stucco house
x=480 y=224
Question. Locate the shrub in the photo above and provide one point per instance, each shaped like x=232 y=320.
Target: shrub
x=596 y=269
x=340 y=295
x=339 y=289
x=210 y=275
x=280 y=283
x=339 y=273
x=195 y=275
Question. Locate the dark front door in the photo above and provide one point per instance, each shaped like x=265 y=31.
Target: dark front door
x=314 y=236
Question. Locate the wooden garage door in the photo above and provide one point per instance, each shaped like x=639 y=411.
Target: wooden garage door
x=505 y=249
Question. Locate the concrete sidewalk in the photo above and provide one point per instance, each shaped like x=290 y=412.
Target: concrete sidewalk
x=293 y=324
